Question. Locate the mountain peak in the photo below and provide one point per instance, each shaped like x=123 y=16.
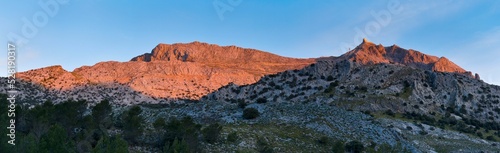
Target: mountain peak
x=445 y=65
x=369 y=53
x=366 y=40
x=366 y=43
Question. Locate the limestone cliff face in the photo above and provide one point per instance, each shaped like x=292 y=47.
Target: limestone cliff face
x=210 y=53
x=369 y=53
x=186 y=71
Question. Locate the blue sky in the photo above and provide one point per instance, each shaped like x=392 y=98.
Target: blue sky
x=84 y=32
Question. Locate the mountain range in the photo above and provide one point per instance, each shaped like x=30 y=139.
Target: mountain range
x=381 y=89
x=192 y=70
x=177 y=71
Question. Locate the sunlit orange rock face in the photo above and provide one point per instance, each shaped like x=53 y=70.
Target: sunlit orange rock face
x=369 y=53
x=186 y=71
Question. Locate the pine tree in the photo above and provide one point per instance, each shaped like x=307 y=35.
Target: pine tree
x=28 y=144
x=101 y=111
x=176 y=147
x=111 y=144
x=56 y=140
x=133 y=124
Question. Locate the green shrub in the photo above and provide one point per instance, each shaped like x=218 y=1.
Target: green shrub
x=491 y=138
x=159 y=124
x=261 y=100
x=338 y=147
x=176 y=147
x=250 y=113
x=390 y=113
x=355 y=147
x=242 y=104
x=324 y=140
x=329 y=78
x=232 y=137
x=263 y=146
x=185 y=130
x=111 y=144
x=211 y=133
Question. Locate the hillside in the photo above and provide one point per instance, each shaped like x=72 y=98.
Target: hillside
x=370 y=79
x=380 y=98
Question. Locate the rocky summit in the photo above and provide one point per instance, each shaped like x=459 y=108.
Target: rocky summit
x=369 y=53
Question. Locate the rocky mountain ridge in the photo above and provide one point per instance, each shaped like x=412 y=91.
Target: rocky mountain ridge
x=379 y=83
x=369 y=53
x=177 y=71
x=461 y=107
x=193 y=70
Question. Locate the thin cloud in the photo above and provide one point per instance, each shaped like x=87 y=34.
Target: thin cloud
x=3 y=65
x=413 y=15
x=480 y=56
x=3 y=62
x=418 y=13
x=30 y=54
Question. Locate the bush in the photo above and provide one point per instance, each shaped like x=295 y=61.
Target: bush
x=232 y=137
x=354 y=147
x=491 y=138
x=211 y=133
x=329 y=78
x=159 y=123
x=242 y=104
x=334 y=84
x=261 y=100
x=185 y=130
x=250 y=113
x=390 y=113
x=111 y=144
x=263 y=146
x=338 y=147
x=479 y=134
x=462 y=110
x=468 y=97
x=176 y=147
x=423 y=132
x=323 y=140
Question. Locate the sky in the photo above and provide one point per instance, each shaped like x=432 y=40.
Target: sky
x=73 y=33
